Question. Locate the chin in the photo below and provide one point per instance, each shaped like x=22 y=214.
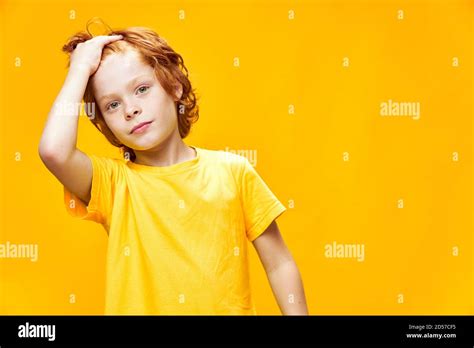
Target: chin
x=146 y=145
x=140 y=147
x=151 y=140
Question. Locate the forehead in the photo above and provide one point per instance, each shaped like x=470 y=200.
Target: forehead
x=117 y=69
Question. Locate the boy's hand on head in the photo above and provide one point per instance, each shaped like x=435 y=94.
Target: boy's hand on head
x=86 y=56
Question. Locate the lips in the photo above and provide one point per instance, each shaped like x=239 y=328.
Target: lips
x=139 y=125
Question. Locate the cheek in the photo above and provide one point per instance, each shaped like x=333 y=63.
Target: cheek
x=108 y=122
x=113 y=125
x=160 y=102
x=163 y=111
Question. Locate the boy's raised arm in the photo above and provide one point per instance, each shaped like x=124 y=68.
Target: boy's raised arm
x=57 y=148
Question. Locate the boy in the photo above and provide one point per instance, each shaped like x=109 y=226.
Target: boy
x=178 y=217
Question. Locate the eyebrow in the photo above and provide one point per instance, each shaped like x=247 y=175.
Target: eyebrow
x=131 y=82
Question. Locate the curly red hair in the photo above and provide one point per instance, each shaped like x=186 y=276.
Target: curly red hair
x=169 y=69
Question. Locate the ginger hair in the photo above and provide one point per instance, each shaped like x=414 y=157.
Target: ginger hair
x=169 y=69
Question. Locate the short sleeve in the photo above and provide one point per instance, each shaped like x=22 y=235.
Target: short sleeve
x=260 y=205
x=102 y=190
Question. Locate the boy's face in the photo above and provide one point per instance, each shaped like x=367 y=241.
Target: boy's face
x=128 y=93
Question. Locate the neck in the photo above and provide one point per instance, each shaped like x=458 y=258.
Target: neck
x=165 y=154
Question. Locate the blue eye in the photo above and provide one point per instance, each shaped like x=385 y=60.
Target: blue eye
x=111 y=105
x=141 y=89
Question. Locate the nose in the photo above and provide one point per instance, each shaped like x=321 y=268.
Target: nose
x=132 y=111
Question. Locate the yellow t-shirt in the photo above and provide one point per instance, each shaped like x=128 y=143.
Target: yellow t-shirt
x=177 y=235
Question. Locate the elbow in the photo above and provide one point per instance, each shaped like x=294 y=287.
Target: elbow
x=45 y=153
x=50 y=154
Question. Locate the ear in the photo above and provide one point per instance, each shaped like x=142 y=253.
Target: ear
x=179 y=91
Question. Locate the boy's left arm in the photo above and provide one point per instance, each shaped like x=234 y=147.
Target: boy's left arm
x=282 y=272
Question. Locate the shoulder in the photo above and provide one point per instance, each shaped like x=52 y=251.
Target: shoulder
x=225 y=163
x=107 y=164
x=106 y=159
x=221 y=158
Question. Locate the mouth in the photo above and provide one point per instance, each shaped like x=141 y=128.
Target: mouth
x=141 y=127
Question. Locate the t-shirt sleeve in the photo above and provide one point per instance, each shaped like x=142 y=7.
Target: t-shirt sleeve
x=260 y=205
x=100 y=205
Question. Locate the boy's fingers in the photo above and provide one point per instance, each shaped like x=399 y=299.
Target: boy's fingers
x=104 y=39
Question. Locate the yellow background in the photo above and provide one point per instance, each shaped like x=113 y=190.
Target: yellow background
x=283 y=62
